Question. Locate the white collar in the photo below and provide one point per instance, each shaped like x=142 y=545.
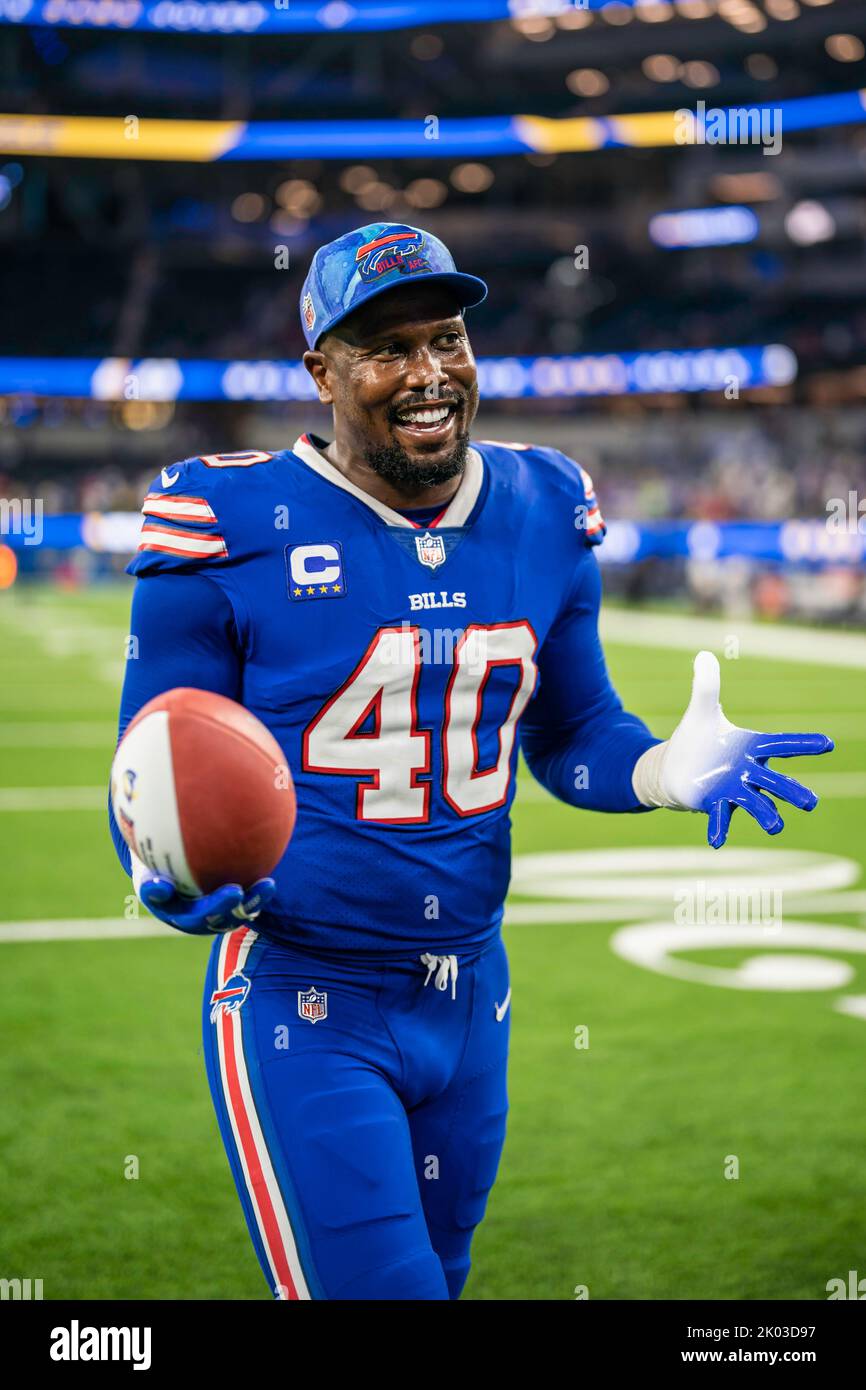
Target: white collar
x=456 y=513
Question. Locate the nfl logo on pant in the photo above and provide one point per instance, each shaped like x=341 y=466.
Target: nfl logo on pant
x=312 y=1004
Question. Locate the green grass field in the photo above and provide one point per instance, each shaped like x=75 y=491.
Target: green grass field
x=614 y=1170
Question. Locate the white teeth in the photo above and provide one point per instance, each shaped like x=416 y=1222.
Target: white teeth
x=426 y=416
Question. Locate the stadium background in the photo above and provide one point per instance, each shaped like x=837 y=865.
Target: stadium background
x=709 y=371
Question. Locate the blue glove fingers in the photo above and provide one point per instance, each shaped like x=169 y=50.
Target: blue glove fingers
x=790 y=745
x=195 y=915
x=219 y=911
x=256 y=898
x=215 y=909
x=760 y=808
x=155 y=891
x=717 y=827
x=786 y=788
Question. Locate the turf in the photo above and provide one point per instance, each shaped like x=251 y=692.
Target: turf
x=613 y=1176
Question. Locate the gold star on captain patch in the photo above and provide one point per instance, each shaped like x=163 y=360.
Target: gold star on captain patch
x=323 y=588
x=297 y=593
x=336 y=588
x=311 y=591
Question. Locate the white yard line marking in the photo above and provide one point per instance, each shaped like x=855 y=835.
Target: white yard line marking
x=85 y=929
x=835 y=784
x=832 y=783
x=846 y=725
x=811 y=646
x=516 y=914
x=64 y=632
x=74 y=733
x=637 y=910
x=54 y=798
x=19 y=799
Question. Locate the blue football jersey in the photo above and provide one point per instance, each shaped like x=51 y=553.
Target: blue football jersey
x=393 y=663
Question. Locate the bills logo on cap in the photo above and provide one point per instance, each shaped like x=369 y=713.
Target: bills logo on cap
x=315 y=571
x=309 y=311
x=313 y=1004
x=398 y=249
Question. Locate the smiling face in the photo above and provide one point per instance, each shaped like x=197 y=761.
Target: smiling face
x=401 y=377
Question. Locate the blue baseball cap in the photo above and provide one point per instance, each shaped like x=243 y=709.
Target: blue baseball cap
x=366 y=262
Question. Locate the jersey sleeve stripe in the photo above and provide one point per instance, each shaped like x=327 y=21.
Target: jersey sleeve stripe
x=191 y=544
x=178 y=508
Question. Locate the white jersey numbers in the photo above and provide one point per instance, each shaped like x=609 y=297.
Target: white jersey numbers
x=369 y=727
x=382 y=692
x=242 y=460
x=467 y=790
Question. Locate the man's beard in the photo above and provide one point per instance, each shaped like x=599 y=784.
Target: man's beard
x=394 y=465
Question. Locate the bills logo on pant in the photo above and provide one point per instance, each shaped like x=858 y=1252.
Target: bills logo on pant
x=230 y=997
x=312 y=1004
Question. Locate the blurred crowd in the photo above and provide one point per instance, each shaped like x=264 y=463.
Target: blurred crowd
x=765 y=466
x=760 y=464
x=714 y=465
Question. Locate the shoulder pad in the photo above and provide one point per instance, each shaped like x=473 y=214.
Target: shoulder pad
x=181 y=523
x=576 y=481
x=587 y=513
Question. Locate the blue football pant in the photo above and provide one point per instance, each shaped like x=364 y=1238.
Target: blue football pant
x=363 y=1111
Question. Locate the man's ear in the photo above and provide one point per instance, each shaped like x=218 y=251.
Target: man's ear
x=316 y=364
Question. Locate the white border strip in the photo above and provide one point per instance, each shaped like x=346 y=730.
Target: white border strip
x=233 y=1022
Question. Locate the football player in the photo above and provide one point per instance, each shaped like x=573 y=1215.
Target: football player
x=403 y=606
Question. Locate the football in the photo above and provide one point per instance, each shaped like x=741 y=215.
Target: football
x=201 y=791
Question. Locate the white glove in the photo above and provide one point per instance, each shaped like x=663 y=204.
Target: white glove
x=709 y=764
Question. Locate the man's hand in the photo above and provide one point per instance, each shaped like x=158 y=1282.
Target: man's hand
x=710 y=765
x=223 y=910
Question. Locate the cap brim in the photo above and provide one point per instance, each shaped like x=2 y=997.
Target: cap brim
x=469 y=290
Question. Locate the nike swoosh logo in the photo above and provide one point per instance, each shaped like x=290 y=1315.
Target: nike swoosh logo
x=502 y=1009
x=167 y=479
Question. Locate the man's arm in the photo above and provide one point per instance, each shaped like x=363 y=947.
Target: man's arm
x=576 y=737
x=182 y=633
x=582 y=745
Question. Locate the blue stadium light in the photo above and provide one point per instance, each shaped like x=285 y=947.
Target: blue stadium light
x=210 y=141
x=499 y=378
x=793 y=544
x=277 y=16
x=725 y=226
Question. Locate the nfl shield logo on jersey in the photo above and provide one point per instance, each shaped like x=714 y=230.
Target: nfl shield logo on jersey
x=312 y=1004
x=430 y=550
